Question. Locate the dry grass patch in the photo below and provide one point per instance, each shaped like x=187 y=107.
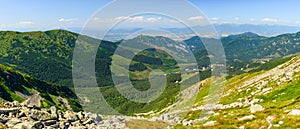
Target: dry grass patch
x=143 y=124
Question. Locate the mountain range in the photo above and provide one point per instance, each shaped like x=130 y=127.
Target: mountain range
x=223 y=29
x=46 y=57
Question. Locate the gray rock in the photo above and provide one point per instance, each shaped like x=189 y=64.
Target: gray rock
x=53 y=111
x=209 y=124
x=76 y=123
x=249 y=117
x=15 y=104
x=256 y=108
x=80 y=115
x=294 y=112
x=69 y=115
x=88 y=115
x=24 y=125
x=40 y=115
x=269 y=119
x=7 y=104
x=91 y=126
x=9 y=110
x=26 y=117
x=89 y=121
x=12 y=122
x=97 y=118
x=3 y=120
x=38 y=125
x=49 y=122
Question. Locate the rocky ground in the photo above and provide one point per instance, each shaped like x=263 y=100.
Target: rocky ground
x=23 y=116
x=20 y=116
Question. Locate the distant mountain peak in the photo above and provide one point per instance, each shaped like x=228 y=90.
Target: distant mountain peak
x=250 y=34
x=245 y=35
x=149 y=37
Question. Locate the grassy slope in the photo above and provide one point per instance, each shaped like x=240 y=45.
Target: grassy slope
x=278 y=102
x=14 y=85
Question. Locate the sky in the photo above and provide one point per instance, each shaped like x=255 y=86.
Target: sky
x=55 y=14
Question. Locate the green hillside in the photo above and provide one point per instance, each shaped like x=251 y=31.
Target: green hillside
x=47 y=56
x=17 y=86
x=249 y=46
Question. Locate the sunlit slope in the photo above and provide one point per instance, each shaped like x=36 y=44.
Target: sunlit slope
x=252 y=99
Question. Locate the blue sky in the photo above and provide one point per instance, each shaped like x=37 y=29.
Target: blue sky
x=53 y=14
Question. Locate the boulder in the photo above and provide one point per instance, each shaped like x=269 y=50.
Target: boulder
x=49 y=122
x=40 y=115
x=89 y=121
x=6 y=111
x=209 y=124
x=256 y=108
x=53 y=111
x=249 y=117
x=15 y=104
x=31 y=117
x=80 y=115
x=294 y=112
x=12 y=122
x=7 y=104
x=269 y=119
x=24 y=125
x=97 y=118
x=3 y=120
x=69 y=115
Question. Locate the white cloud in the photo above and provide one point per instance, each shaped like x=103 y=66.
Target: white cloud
x=96 y=19
x=102 y=20
x=25 y=23
x=137 y=19
x=71 y=20
x=214 y=19
x=236 y=18
x=121 y=18
x=196 y=18
x=153 y=19
x=270 y=20
x=252 y=19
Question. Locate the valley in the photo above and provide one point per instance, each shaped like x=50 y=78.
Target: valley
x=260 y=90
